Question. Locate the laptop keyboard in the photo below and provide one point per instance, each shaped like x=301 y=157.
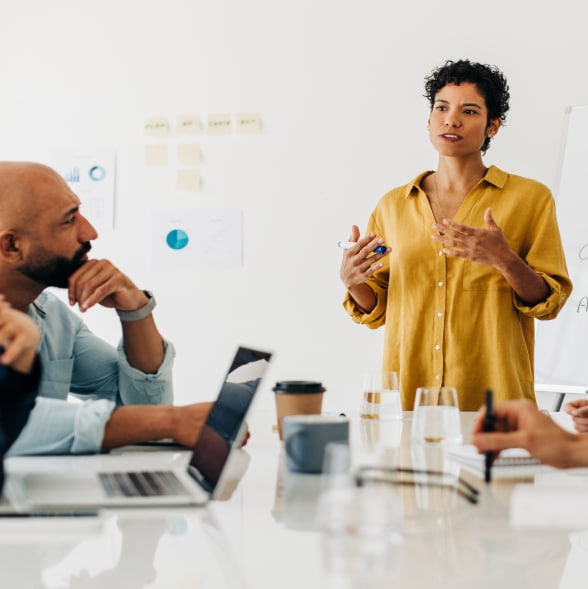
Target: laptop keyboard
x=141 y=484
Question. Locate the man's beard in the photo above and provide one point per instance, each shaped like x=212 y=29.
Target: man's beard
x=53 y=271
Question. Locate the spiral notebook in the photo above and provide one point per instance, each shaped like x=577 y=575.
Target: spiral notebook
x=511 y=463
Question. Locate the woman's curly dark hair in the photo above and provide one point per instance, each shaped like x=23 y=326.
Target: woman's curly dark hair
x=489 y=80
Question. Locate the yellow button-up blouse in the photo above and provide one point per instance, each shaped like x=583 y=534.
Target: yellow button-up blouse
x=452 y=321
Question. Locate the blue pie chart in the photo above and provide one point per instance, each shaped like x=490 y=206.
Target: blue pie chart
x=177 y=239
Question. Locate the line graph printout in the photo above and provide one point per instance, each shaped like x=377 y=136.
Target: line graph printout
x=197 y=238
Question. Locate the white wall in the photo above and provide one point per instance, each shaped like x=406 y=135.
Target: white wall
x=339 y=87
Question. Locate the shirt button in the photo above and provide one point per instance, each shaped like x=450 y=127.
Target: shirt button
x=438 y=377
x=439 y=314
x=440 y=283
x=440 y=253
x=437 y=347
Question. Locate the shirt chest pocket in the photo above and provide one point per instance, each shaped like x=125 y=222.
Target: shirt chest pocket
x=56 y=378
x=480 y=277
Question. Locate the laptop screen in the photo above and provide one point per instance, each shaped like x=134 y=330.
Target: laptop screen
x=225 y=426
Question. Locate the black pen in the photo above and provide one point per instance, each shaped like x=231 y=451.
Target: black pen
x=488 y=426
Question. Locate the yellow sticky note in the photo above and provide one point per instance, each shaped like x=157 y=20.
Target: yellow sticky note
x=188 y=124
x=248 y=122
x=157 y=126
x=155 y=154
x=188 y=180
x=188 y=153
x=219 y=124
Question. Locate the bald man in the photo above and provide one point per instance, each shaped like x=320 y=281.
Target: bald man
x=45 y=241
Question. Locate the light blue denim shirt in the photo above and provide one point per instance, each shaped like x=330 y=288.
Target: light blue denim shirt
x=76 y=361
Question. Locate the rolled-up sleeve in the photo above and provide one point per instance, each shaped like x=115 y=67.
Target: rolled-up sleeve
x=62 y=427
x=552 y=305
x=136 y=387
x=545 y=254
x=76 y=361
x=374 y=318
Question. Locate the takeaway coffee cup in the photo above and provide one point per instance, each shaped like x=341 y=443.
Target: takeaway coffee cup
x=297 y=397
x=307 y=436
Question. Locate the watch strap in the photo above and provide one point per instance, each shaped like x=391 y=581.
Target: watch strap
x=140 y=313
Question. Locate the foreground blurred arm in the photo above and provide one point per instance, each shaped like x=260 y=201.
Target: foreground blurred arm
x=578 y=410
x=519 y=424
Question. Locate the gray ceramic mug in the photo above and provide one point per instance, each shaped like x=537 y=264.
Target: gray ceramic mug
x=306 y=437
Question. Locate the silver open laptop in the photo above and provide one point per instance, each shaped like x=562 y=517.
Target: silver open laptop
x=153 y=478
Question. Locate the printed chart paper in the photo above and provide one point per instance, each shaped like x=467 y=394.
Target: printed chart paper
x=89 y=172
x=199 y=237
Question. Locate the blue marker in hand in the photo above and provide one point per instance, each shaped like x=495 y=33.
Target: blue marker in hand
x=381 y=249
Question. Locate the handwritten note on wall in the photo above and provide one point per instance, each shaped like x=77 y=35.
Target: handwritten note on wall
x=187 y=153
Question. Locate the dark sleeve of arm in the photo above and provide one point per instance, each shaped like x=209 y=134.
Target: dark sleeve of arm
x=17 y=398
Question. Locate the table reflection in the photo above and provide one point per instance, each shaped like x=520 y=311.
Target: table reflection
x=130 y=550
x=435 y=537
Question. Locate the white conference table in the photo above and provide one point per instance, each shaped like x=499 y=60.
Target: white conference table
x=267 y=536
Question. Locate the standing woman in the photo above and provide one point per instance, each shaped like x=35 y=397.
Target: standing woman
x=474 y=255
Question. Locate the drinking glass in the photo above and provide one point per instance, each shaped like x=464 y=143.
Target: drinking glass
x=361 y=542
x=435 y=420
x=381 y=396
x=337 y=466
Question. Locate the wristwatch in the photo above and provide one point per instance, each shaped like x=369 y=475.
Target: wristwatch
x=140 y=313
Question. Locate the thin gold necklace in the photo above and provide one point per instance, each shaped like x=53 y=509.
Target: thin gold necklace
x=437 y=192
x=437 y=196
